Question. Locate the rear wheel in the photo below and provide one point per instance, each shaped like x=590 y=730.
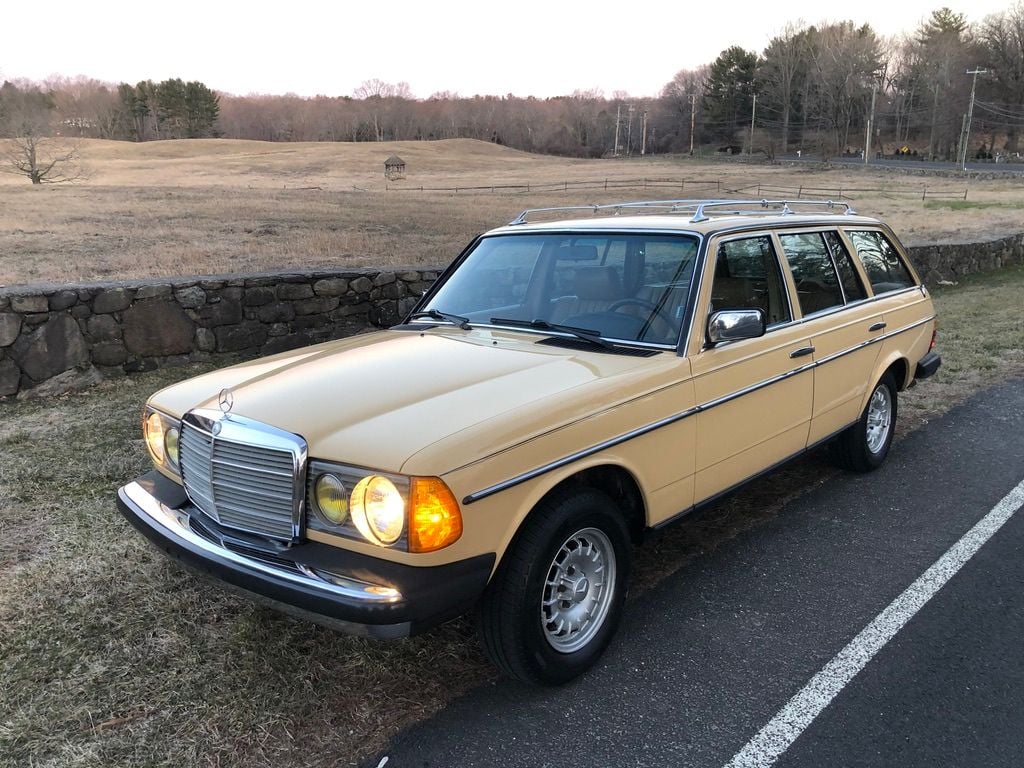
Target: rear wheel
x=556 y=599
x=865 y=445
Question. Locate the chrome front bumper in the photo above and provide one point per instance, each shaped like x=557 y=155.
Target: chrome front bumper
x=312 y=580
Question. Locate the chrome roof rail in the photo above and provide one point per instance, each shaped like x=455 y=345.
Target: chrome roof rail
x=765 y=208
x=702 y=210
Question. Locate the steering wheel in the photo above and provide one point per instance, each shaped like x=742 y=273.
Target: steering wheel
x=657 y=311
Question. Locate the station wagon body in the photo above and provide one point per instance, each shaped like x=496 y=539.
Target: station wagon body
x=565 y=386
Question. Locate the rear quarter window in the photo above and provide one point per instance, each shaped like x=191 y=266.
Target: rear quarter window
x=885 y=269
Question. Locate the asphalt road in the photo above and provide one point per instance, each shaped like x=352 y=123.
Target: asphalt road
x=707 y=658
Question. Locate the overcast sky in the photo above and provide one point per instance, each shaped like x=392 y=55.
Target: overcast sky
x=526 y=48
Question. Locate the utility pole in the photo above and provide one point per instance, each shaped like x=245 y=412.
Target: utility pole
x=871 y=123
x=693 y=117
x=629 y=131
x=970 y=116
x=618 y=120
x=643 y=137
x=753 y=113
x=960 y=142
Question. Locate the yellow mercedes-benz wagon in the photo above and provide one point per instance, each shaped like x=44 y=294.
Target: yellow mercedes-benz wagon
x=566 y=385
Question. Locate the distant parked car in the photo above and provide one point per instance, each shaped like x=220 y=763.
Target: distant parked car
x=565 y=386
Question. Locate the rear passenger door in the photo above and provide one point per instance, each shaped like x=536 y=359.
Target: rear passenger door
x=840 y=320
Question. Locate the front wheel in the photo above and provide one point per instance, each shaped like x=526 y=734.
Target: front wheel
x=556 y=599
x=864 y=446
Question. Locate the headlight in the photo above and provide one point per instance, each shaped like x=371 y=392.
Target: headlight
x=331 y=498
x=378 y=510
x=162 y=433
x=171 y=446
x=418 y=514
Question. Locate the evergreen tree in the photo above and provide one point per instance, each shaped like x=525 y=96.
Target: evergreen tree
x=729 y=92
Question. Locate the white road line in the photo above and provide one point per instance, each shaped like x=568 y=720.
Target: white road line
x=775 y=738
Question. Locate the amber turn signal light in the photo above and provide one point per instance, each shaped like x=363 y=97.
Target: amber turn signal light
x=435 y=520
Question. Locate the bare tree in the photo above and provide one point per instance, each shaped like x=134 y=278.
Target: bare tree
x=1002 y=35
x=844 y=64
x=42 y=159
x=783 y=64
x=32 y=153
x=682 y=108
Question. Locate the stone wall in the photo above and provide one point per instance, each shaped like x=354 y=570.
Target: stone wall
x=55 y=338
x=949 y=262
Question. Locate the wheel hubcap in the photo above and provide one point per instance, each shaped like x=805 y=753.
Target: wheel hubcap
x=578 y=590
x=879 y=418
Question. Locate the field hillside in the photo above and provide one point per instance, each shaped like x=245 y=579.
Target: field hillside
x=214 y=206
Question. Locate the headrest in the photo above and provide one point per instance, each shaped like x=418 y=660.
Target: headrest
x=597 y=284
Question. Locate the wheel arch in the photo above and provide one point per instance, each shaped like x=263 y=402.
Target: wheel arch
x=894 y=363
x=613 y=479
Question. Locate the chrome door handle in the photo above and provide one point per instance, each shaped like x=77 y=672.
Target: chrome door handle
x=802 y=352
x=876 y=327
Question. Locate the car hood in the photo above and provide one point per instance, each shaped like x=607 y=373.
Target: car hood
x=380 y=399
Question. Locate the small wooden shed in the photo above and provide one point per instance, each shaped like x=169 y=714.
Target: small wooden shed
x=394 y=168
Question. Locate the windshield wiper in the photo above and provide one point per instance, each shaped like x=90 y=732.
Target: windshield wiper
x=434 y=314
x=543 y=325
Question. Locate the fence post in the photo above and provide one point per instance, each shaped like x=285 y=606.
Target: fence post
x=800 y=192
x=965 y=194
x=924 y=192
x=606 y=185
x=565 y=186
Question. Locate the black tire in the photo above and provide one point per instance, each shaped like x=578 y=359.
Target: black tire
x=510 y=621
x=855 y=449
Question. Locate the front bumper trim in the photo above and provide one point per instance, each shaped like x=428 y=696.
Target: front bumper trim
x=175 y=524
x=355 y=593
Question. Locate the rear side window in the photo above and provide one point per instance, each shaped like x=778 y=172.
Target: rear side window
x=886 y=271
x=817 y=284
x=852 y=286
x=747 y=276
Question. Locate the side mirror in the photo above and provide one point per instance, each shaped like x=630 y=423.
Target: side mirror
x=735 y=324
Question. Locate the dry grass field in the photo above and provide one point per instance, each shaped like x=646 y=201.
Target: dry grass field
x=112 y=655
x=216 y=206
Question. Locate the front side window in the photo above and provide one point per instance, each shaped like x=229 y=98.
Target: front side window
x=747 y=276
x=885 y=270
x=817 y=284
x=625 y=287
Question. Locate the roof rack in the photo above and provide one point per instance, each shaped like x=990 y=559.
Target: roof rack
x=702 y=210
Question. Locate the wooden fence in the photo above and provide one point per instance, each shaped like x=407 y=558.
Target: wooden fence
x=696 y=187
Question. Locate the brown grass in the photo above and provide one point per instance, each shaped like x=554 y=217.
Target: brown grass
x=215 y=206
x=112 y=655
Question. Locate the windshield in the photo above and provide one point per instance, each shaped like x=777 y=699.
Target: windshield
x=626 y=287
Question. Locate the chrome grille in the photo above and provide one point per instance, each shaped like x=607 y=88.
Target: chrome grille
x=239 y=482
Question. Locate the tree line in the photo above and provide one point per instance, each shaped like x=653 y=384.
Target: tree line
x=827 y=89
